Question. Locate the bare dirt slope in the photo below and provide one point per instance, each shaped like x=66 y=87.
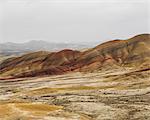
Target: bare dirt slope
x=117 y=53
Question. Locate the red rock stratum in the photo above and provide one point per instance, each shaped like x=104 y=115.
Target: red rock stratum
x=131 y=52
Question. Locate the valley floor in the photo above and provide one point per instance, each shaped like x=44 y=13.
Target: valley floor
x=105 y=95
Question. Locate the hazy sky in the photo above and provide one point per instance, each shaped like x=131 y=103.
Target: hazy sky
x=72 y=20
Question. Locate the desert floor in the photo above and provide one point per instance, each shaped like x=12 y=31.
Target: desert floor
x=106 y=95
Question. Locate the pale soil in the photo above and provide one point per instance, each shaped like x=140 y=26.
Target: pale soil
x=111 y=95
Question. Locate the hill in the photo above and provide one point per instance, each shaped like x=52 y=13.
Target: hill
x=134 y=52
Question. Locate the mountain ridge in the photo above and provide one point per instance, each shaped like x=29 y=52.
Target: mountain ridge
x=10 y=48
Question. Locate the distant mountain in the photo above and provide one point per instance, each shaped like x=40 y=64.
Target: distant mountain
x=134 y=52
x=37 y=45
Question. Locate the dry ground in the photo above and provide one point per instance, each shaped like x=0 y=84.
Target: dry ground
x=105 y=95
